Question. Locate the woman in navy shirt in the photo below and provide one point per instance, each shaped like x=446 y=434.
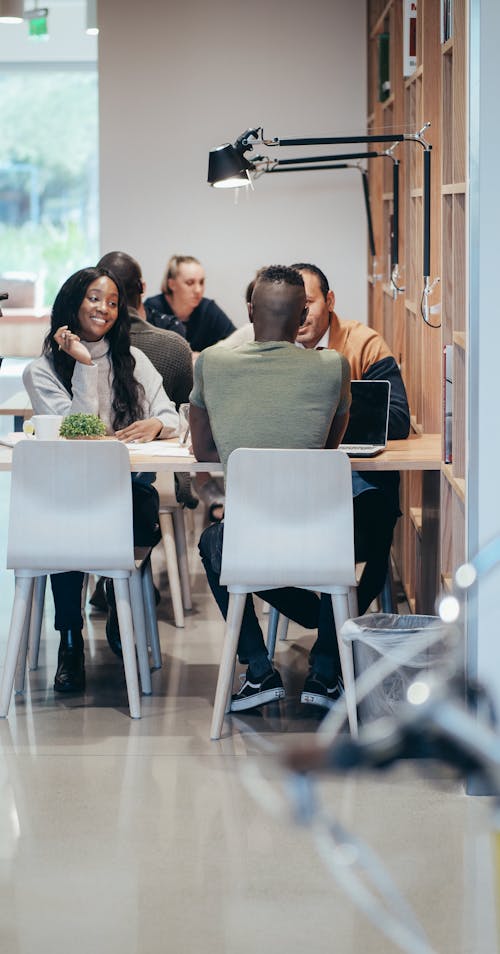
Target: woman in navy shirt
x=181 y=306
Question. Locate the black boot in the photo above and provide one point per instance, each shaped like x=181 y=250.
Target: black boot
x=70 y=675
x=98 y=598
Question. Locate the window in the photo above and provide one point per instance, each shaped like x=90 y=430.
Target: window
x=48 y=173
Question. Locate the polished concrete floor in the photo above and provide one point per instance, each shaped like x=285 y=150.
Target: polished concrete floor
x=138 y=837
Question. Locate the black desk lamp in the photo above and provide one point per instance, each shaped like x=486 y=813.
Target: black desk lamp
x=229 y=166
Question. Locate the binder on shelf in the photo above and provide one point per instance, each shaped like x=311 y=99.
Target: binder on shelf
x=447 y=403
x=409 y=37
x=384 y=81
x=446 y=20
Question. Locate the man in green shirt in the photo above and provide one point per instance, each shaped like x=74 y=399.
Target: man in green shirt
x=268 y=393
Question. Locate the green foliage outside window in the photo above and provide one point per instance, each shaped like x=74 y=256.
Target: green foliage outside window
x=48 y=173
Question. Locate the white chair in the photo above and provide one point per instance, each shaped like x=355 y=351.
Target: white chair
x=173 y=533
x=288 y=522
x=71 y=509
x=277 y=627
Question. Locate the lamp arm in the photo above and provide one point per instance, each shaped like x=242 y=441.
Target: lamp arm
x=341 y=156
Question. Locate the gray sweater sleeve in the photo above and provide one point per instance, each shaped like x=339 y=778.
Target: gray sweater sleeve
x=49 y=396
x=156 y=403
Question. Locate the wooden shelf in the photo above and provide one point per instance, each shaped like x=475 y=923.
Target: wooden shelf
x=388 y=102
x=415 y=426
x=436 y=92
x=460 y=339
x=416 y=518
x=414 y=76
x=379 y=24
x=453 y=188
x=456 y=483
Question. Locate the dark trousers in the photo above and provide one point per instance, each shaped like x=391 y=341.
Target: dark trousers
x=67 y=587
x=301 y=606
x=374 y=520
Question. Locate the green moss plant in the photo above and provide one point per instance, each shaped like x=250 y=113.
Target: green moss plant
x=82 y=425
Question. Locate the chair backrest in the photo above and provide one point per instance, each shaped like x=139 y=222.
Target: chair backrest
x=70 y=506
x=288 y=519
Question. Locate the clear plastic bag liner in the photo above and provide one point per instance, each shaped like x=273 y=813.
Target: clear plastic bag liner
x=402 y=639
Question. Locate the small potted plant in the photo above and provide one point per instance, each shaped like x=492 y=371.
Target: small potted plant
x=77 y=427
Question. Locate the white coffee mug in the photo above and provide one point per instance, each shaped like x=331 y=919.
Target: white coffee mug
x=47 y=426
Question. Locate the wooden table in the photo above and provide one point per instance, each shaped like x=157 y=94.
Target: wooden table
x=419 y=452
x=17 y=405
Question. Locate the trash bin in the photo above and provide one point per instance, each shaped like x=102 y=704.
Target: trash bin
x=392 y=636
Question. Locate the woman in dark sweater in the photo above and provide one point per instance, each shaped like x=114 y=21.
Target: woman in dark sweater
x=181 y=306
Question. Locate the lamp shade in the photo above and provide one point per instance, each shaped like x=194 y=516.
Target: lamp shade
x=11 y=11
x=227 y=168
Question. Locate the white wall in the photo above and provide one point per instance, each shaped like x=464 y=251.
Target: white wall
x=178 y=79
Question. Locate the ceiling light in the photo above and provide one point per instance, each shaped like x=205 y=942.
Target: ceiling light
x=11 y=11
x=92 y=26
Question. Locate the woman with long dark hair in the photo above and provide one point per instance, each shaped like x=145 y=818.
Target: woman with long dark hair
x=88 y=366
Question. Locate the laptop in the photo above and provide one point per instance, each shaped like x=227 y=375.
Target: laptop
x=366 y=434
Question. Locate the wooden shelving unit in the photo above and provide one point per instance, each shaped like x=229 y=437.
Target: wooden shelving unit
x=434 y=93
x=453 y=270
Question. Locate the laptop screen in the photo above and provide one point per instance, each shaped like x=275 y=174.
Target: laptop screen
x=369 y=414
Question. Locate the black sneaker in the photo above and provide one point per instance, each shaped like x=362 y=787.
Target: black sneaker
x=254 y=693
x=318 y=692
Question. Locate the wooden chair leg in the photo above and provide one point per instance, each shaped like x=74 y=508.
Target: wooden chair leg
x=20 y=609
x=272 y=629
x=388 y=603
x=123 y=608
x=226 y=668
x=141 y=640
x=283 y=627
x=36 y=621
x=167 y=533
x=85 y=590
x=341 y=612
x=20 y=676
x=182 y=556
x=150 y=613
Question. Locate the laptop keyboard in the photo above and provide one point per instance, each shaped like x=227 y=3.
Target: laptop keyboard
x=362 y=450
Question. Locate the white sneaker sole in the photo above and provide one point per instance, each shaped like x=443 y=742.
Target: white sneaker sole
x=316 y=699
x=259 y=699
